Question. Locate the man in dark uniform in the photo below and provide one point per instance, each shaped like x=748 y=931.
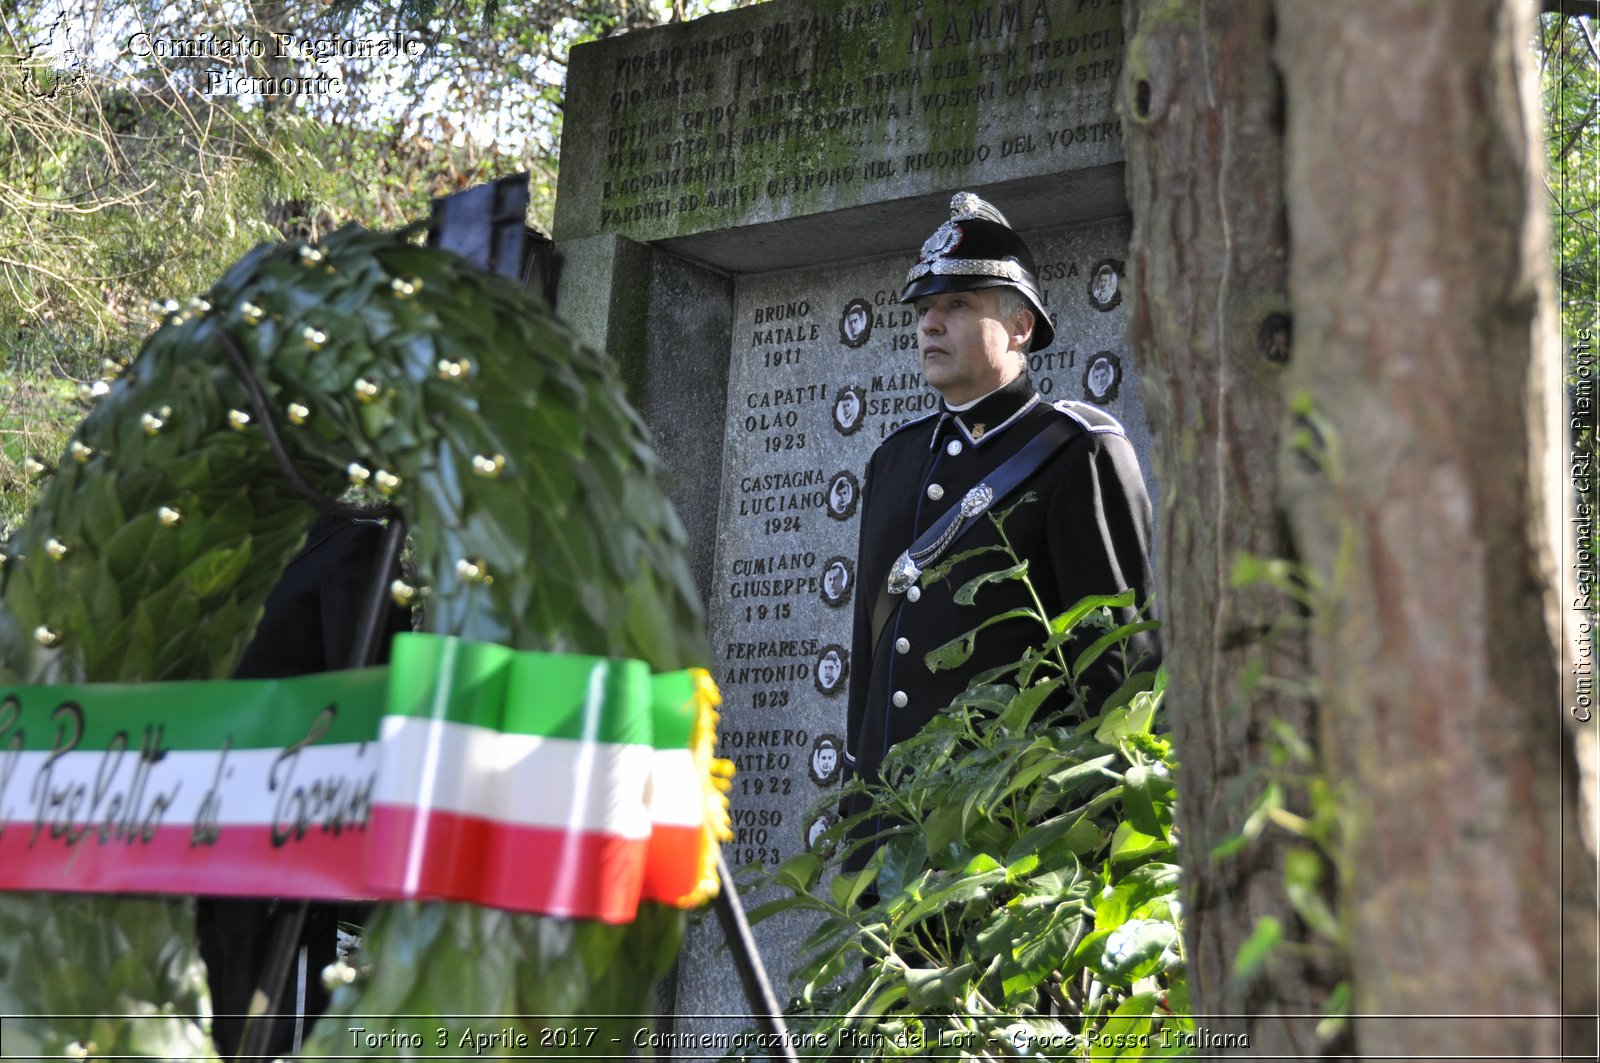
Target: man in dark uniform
x=931 y=483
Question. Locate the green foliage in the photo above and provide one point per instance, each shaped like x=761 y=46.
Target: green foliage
x=457 y=961
x=1569 y=59
x=1569 y=63
x=1292 y=777
x=539 y=522
x=133 y=186
x=163 y=525
x=130 y=183
x=1024 y=895
x=129 y=965
x=93 y=190
x=38 y=404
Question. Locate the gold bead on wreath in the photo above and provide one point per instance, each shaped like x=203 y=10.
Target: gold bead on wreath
x=473 y=570
x=488 y=466
x=455 y=370
x=163 y=309
x=154 y=422
x=338 y=973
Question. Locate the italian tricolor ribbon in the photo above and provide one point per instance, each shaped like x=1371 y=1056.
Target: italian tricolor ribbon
x=553 y=783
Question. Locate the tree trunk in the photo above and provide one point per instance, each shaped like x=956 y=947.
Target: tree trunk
x=1211 y=325
x=1393 y=212
x=1412 y=188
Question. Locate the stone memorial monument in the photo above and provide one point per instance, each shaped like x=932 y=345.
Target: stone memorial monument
x=740 y=199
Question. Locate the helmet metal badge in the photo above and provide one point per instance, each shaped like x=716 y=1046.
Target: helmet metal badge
x=977 y=248
x=945 y=239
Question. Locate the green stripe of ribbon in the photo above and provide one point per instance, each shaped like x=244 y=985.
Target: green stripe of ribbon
x=200 y=714
x=520 y=692
x=673 y=694
x=430 y=676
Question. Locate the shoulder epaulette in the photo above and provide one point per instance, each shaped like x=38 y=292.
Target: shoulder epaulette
x=1091 y=417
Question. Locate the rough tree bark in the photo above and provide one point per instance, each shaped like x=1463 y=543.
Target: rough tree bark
x=1413 y=189
x=1392 y=212
x=1211 y=325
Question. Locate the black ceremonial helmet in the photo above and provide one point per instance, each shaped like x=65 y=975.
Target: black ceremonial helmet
x=975 y=249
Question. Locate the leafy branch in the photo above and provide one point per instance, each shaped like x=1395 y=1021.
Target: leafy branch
x=1023 y=890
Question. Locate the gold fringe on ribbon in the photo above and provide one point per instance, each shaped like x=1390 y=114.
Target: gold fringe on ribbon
x=716 y=780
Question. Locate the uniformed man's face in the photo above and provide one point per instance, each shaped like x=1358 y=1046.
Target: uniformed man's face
x=968 y=349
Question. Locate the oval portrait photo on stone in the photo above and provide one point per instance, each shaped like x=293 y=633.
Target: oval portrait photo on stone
x=838 y=578
x=817 y=827
x=844 y=491
x=827 y=757
x=849 y=410
x=1105 y=284
x=1102 y=378
x=855 y=324
x=832 y=671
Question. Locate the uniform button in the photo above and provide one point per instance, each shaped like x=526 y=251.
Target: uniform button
x=953 y=448
x=900 y=699
x=914 y=594
x=902 y=645
x=935 y=492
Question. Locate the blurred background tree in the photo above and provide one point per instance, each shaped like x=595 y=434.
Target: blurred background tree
x=1569 y=66
x=1336 y=575
x=123 y=181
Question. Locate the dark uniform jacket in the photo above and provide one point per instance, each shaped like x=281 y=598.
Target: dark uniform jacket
x=308 y=625
x=1087 y=533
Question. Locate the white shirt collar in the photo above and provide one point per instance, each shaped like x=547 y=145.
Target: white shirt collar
x=965 y=406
